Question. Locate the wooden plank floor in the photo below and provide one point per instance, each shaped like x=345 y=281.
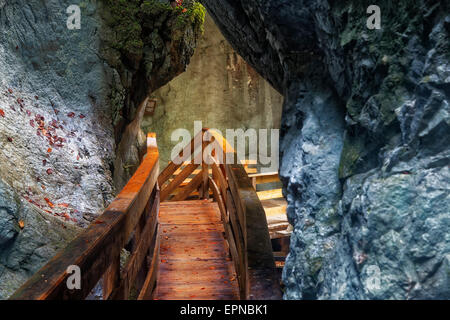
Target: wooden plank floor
x=194 y=264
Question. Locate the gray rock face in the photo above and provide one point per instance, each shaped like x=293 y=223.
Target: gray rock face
x=25 y=248
x=8 y=224
x=364 y=148
x=313 y=142
x=67 y=100
x=56 y=136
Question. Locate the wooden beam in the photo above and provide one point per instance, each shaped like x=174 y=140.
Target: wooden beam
x=111 y=278
x=186 y=191
x=270 y=194
x=235 y=232
x=219 y=199
x=150 y=282
x=261 y=178
x=223 y=184
x=205 y=175
x=263 y=174
x=187 y=152
x=175 y=183
x=238 y=202
x=272 y=211
x=248 y=162
x=251 y=170
x=134 y=263
x=192 y=194
x=222 y=142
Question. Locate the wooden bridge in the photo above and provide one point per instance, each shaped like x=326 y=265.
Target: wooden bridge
x=196 y=231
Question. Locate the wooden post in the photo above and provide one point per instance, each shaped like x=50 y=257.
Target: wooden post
x=111 y=278
x=205 y=174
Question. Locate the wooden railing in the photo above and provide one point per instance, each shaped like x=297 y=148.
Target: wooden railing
x=245 y=225
x=242 y=214
x=191 y=152
x=131 y=221
x=261 y=178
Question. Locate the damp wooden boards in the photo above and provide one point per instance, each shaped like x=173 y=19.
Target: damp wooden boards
x=194 y=259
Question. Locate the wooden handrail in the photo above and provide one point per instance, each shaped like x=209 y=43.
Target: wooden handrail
x=131 y=221
x=96 y=251
x=261 y=178
x=245 y=227
x=262 y=280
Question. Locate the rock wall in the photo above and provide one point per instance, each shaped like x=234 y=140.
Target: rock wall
x=364 y=152
x=218 y=88
x=69 y=109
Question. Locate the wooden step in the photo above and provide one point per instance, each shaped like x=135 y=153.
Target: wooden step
x=194 y=260
x=274 y=206
x=270 y=194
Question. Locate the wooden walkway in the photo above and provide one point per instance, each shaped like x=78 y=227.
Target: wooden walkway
x=194 y=256
x=191 y=232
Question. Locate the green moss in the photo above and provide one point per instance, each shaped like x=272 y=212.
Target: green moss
x=154 y=8
x=131 y=19
x=126 y=24
x=351 y=153
x=194 y=16
x=386 y=47
x=315 y=266
x=197 y=15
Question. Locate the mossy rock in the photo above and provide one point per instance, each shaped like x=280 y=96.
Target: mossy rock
x=351 y=153
x=133 y=20
x=387 y=47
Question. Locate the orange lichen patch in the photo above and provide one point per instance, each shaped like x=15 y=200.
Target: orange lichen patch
x=21 y=224
x=50 y=204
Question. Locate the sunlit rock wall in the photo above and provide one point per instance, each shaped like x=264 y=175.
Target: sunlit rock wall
x=219 y=88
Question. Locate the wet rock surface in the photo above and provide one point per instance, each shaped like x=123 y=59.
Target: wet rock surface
x=364 y=151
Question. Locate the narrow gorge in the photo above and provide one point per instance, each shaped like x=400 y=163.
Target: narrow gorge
x=363 y=114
